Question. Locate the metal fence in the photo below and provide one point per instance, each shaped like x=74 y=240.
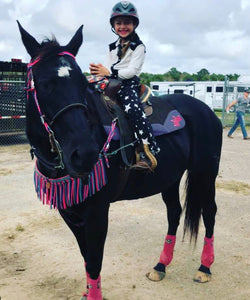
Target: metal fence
x=12 y=111
x=231 y=92
x=228 y=119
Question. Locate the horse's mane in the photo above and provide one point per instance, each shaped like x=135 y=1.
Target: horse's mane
x=49 y=47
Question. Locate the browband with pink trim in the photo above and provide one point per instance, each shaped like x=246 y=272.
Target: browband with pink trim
x=67 y=53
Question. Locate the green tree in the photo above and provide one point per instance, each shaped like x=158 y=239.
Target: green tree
x=213 y=77
x=187 y=77
x=233 y=77
x=146 y=78
x=203 y=75
x=175 y=74
x=220 y=77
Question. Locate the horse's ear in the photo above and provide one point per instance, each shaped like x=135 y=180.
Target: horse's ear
x=30 y=43
x=75 y=43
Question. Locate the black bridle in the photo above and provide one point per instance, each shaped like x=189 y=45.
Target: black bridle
x=64 y=109
x=55 y=146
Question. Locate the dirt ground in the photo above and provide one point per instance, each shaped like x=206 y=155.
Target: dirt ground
x=39 y=258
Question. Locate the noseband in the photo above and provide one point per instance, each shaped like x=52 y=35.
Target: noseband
x=55 y=146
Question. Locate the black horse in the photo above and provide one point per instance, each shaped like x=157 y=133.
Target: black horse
x=66 y=133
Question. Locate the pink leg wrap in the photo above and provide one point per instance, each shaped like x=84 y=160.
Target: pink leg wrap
x=87 y=278
x=168 y=250
x=93 y=288
x=207 y=256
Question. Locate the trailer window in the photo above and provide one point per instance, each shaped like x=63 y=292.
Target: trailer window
x=219 y=89
x=209 y=89
x=178 y=91
x=230 y=89
x=240 y=89
x=155 y=87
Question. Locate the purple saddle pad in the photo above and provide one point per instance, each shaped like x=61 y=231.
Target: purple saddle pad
x=164 y=119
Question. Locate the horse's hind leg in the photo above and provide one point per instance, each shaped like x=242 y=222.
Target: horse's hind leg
x=200 y=200
x=172 y=201
x=209 y=210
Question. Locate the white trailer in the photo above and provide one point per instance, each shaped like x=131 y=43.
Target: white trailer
x=214 y=93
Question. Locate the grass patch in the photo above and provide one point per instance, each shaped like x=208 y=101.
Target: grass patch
x=19 y=228
x=234 y=186
x=5 y=172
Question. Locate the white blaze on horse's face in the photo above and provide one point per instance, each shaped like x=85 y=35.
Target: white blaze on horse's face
x=63 y=70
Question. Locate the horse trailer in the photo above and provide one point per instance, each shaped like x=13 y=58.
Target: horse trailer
x=216 y=94
x=12 y=97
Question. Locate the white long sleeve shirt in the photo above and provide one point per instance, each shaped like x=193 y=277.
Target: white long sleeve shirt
x=131 y=64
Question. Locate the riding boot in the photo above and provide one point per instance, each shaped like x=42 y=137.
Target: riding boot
x=145 y=160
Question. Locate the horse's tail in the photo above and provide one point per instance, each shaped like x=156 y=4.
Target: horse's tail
x=193 y=205
x=200 y=196
x=205 y=131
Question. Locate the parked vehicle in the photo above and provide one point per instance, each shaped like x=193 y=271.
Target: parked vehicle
x=215 y=94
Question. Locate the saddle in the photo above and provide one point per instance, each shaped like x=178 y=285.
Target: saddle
x=109 y=88
x=163 y=117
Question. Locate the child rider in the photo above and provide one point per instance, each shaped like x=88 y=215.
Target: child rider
x=124 y=61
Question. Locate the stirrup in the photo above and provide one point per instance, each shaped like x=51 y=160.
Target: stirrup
x=142 y=165
x=150 y=156
x=145 y=160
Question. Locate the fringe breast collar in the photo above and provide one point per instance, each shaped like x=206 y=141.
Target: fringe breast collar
x=63 y=192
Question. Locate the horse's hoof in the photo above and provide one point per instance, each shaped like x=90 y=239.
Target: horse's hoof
x=202 y=277
x=86 y=297
x=155 y=275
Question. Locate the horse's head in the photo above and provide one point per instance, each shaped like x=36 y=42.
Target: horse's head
x=56 y=106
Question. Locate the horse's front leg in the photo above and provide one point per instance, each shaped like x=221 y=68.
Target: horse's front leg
x=95 y=234
x=89 y=223
x=171 y=199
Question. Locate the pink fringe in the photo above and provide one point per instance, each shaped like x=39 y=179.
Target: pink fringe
x=60 y=193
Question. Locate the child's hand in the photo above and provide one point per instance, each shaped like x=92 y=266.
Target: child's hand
x=98 y=69
x=93 y=68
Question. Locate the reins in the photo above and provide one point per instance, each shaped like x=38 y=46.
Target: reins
x=68 y=107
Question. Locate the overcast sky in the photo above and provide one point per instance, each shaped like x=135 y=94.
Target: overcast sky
x=188 y=35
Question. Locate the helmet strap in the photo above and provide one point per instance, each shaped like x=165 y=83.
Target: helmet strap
x=113 y=30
